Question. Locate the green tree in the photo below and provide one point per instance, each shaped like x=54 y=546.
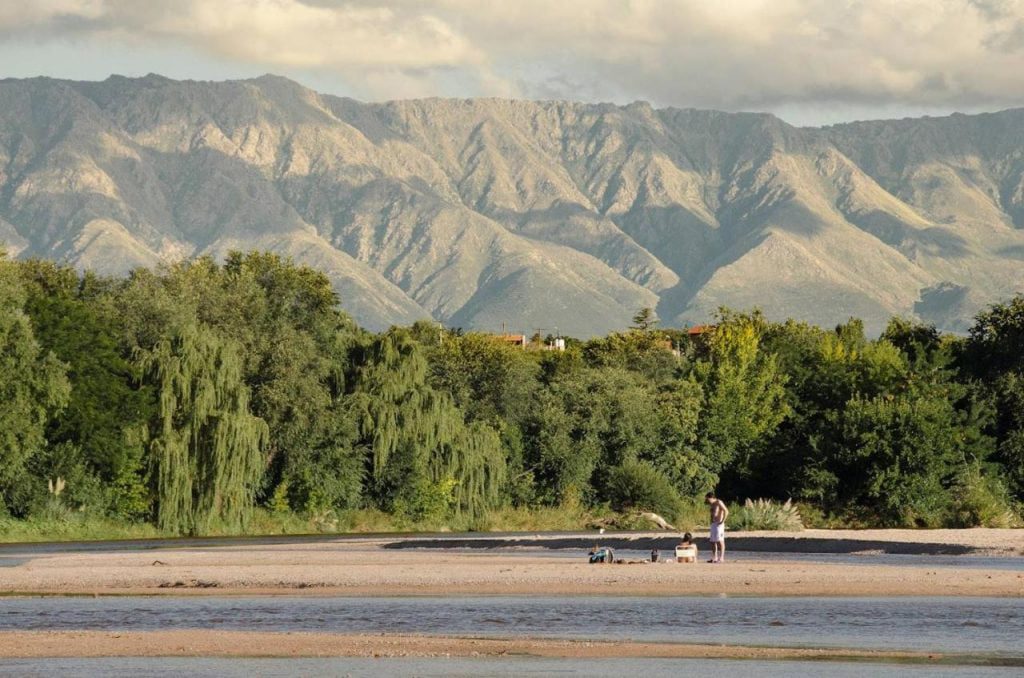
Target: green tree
x=101 y=432
x=490 y=380
x=553 y=462
x=207 y=449
x=1009 y=391
x=892 y=456
x=993 y=346
x=33 y=387
x=744 y=394
x=917 y=341
x=419 y=443
x=201 y=389
x=589 y=421
x=644 y=320
x=648 y=353
x=824 y=371
x=676 y=452
x=494 y=384
x=294 y=344
x=993 y=353
x=297 y=341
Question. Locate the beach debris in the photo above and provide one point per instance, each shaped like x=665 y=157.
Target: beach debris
x=159 y=562
x=191 y=584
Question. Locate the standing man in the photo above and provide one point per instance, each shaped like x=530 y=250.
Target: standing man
x=719 y=512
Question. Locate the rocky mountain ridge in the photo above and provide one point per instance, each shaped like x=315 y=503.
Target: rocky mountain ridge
x=483 y=213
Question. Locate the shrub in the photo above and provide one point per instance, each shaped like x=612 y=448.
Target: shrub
x=979 y=500
x=638 y=485
x=812 y=516
x=764 y=514
x=279 y=499
x=692 y=513
x=428 y=501
x=77 y=526
x=571 y=513
x=55 y=509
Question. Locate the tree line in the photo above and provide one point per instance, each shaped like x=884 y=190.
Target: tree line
x=189 y=395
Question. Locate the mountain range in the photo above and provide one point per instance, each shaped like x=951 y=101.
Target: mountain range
x=550 y=215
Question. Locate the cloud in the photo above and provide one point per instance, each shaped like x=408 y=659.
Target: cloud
x=725 y=54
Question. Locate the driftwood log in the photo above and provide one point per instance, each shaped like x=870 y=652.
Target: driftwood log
x=608 y=523
x=657 y=520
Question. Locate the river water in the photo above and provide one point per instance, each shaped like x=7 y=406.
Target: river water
x=993 y=626
x=472 y=667
x=982 y=627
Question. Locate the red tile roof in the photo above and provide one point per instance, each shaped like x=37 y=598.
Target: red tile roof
x=697 y=330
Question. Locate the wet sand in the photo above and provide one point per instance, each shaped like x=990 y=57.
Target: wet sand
x=201 y=643
x=393 y=566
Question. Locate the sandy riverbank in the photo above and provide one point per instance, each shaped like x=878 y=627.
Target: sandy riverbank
x=376 y=567
x=202 y=643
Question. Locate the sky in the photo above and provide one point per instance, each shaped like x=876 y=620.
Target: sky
x=811 y=62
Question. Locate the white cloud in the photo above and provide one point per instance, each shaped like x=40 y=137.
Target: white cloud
x=710 y=53
x=28 y=15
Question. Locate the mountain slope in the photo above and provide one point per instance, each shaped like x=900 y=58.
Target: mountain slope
x=483 y=213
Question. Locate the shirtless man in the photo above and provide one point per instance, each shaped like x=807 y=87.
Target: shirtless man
x=719 y=512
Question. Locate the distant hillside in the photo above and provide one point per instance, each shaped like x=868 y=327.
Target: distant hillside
x=532 y=214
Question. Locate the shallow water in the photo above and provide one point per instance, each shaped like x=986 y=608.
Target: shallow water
x=518 y=666
x=961 y=625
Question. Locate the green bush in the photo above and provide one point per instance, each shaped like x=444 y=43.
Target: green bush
x=814 y=517
x=638 y=485
x=979 y=500
x=428 y=501
x=764 y=514
x=691 y=514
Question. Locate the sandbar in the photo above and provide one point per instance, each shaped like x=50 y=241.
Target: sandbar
x=203 y=643
x=402 y=566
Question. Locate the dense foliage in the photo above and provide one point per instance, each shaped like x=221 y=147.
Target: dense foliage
x=188 y=396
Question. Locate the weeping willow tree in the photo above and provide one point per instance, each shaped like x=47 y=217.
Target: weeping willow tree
x=207 y=452
x=414 y=432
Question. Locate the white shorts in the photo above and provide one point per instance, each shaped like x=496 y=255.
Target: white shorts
x=717 y=532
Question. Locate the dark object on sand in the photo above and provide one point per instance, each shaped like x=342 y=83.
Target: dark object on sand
x=602 y=555
x=654 y=555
